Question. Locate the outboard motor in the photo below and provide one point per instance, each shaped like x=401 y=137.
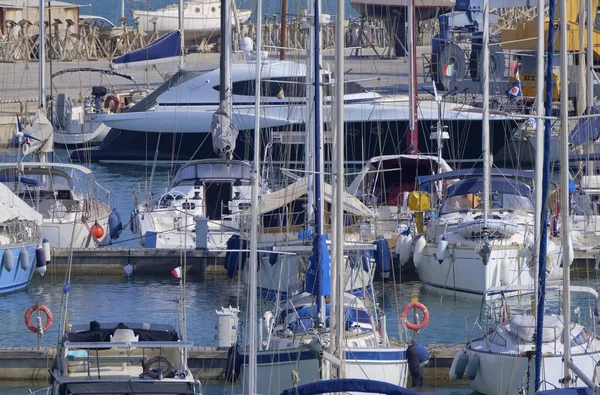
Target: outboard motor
x=98 y=93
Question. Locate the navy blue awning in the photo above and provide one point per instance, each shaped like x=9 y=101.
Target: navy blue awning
x=22 y=180
x=478 y=172
x=499 y=185
x=587 y=129
x=568 y=391
x=165 y=48
x=348 y=385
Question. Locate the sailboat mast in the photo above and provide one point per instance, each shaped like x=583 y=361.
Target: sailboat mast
x=486 y=112
x=182 y=32
x=225 y=58
x=318 y=147
x=564 y=187
x=42 y=55
x=338 y=271
x=590 y=55
x=543 y=218
x=253 y=316
x=539 y=153
x=413 y=134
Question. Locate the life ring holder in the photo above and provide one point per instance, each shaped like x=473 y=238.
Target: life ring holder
x=156 y=375
x=42 y=309
x=419 y=306
x=112 y=103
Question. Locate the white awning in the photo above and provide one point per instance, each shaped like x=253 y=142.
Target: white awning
x=294 y=191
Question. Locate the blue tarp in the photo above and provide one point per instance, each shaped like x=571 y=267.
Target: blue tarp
x=587 y=129
x=22 y=180
x=348 y=385
x=164 y=48
x=498 y=185
x=568 y=391
x=317 y=275
x=478 y=172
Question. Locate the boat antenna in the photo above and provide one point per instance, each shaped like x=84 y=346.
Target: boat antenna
x=224 y=134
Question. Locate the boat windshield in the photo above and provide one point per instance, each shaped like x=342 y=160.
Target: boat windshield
x=506 y=195
x=189 y=174
x=498 y=201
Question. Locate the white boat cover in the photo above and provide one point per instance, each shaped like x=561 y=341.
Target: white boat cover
x=524 y=327
x=12 y=207
x=294 y=191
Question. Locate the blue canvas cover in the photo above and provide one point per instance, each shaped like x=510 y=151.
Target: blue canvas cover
x=348 y=385
x=587 y=129
x=162 y=49
x=317 y=275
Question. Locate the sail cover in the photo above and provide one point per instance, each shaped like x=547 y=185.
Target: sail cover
x=164 y=49
x=346 y=385
x=587 y=130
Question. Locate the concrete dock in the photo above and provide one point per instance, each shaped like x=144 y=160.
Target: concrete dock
x=148 y=261
x=29 y=363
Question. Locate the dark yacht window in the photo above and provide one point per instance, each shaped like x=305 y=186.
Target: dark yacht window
x=276 y=87
x=289 y=87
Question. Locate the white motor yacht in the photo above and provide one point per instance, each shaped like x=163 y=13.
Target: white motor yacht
x=201 y=18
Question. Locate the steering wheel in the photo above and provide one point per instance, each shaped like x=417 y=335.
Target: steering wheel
x=171 y=196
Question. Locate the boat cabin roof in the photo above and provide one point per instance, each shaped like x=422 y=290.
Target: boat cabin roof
x=522 y=175
x=58 y=179
x=498 y=185
x=212 y=169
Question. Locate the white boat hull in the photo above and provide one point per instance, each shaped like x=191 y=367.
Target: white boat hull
x=275 y=367
x=507 y=373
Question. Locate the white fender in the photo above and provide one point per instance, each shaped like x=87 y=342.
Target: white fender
x=404 y=247
x=41 y=270
x=441 y=249
x=420 y=246
x=7 y=260
x=452 y=372
x=46 y=247
x=472 y=367
x=24 y=259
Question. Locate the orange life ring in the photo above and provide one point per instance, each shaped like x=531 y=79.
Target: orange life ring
x=42 y=309
x=415 y=305
x=112 y=103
